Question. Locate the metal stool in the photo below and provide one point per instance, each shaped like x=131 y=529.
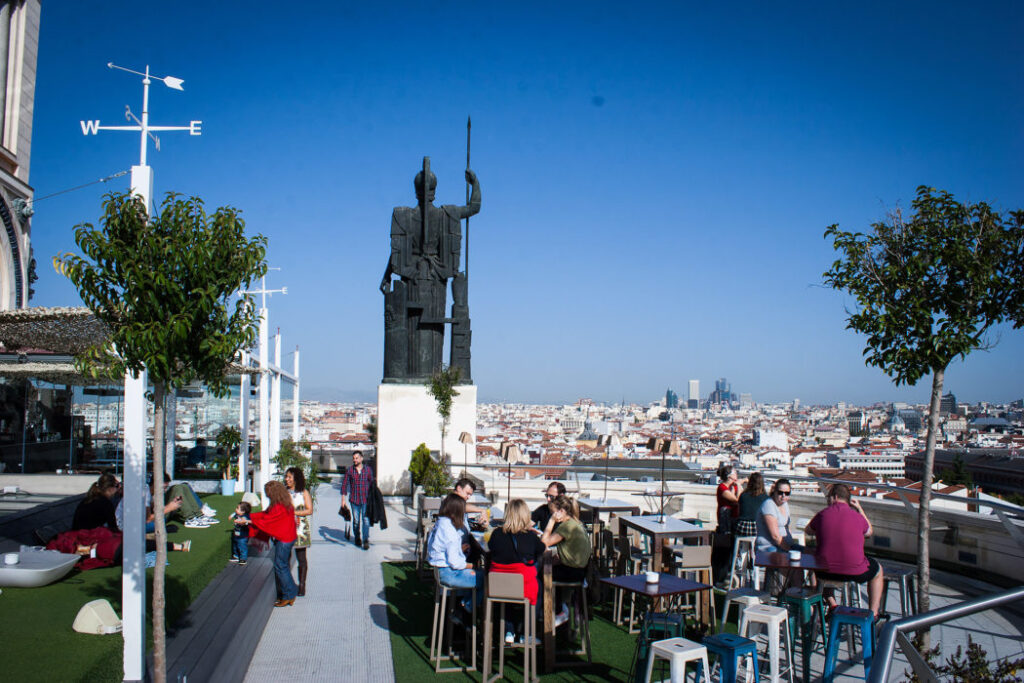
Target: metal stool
x=803 y=601
x=654 y=626
x=906 y=578
x=742 y=597
x=853 y=617
x=775 y=620
x=580 y=613
x=442 y=622
x=507 y=589
x=739 y=562
x=730 y=648
x=679 y=652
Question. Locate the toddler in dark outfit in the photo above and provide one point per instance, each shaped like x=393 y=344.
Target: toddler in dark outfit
x=240 y=533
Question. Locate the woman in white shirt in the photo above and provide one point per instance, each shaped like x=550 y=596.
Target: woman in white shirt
x=773 y=520
x=447 y=551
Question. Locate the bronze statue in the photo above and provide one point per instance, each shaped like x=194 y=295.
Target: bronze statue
x=426 y=244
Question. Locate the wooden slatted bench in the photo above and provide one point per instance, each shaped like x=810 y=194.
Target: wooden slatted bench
x=215 y=638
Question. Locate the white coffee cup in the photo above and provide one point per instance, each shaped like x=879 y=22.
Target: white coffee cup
x=653 y=577
x=794 y=555
x=11 y=558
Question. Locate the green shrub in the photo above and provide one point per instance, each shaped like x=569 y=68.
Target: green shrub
x=428 y=473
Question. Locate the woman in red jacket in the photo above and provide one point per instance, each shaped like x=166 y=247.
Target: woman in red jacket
x=278 y=523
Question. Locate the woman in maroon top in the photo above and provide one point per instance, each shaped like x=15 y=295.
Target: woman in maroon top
x=728 y=497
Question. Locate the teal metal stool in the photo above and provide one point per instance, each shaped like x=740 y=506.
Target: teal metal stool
x=730 y=648
x=801 y=603
x=853 y=617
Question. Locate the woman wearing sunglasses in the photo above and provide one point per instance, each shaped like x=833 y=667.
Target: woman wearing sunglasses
x=773 y=520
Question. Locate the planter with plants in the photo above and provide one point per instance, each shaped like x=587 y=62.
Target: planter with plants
x=228 y=440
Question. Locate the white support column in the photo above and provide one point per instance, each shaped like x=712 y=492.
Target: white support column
x=295 y=402
x=243 y=424
x=170 y=428
x=275 y=398
x=264 y=407
x=133 y=571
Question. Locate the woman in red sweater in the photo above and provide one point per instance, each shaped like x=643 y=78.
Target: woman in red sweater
x=278 y=523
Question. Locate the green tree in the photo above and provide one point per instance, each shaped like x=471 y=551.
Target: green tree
x=228 y=440
x=163 y=285
x=957 y=474
x=441 y=386
x=928 y=288
x=298 y=454
x=428 y=473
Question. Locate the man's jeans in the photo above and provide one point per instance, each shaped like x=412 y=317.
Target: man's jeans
x=282 y=572
x=359 y=519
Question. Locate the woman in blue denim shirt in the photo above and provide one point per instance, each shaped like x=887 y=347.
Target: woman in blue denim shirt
x=446 y=549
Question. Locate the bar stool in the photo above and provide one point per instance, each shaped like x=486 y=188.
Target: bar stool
x=679 y=652
x=802 y=601
x=443 y=622
x=730 y=649
x=654 y=626
x=696 y=559
x=775 y=620
x=854 y=617
x=507 y=589
x=742 y=597
x=580 y=613
x=906 y=578
x=739 y=562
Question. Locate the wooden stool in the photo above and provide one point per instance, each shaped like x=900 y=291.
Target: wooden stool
x=775 y=620
x=853 y=617
x=678 y=652
x=507 y=589
x=443 y=623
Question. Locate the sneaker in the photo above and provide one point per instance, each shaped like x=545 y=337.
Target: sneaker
x=211 y=520
x=241 y=563
x=196 y=523
x=209 y=511
x=510 y=637
x=562 y=616
x=233 y=559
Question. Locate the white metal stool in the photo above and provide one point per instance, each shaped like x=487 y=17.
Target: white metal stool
x=742 y=597
x=775 y=620
x=739 y=562
x=678 y=652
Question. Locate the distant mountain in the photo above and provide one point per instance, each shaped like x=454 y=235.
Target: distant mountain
x=337 y=395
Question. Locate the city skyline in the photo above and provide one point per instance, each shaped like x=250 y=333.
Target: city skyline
x=655 y=184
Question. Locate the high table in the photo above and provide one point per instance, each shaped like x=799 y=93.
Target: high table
x=667 y=586
x=660 y=530
x=609 y=505
x=782 y=561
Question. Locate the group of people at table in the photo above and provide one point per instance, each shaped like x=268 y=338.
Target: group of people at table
x=515 y=547
x=839 y=530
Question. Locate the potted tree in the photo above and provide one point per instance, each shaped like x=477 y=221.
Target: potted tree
x=228 y=440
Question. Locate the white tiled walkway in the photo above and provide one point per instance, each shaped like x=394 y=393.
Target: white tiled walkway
x=339 y=630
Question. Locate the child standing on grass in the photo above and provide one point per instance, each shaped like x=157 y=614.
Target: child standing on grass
x=240 y=533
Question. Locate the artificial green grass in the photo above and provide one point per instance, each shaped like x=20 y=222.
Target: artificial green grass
x=35 y=623
x=410 y=604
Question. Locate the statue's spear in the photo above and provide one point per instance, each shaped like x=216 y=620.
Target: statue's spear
x=469 y=126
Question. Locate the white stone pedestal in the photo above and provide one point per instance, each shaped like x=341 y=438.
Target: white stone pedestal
x=406 y=417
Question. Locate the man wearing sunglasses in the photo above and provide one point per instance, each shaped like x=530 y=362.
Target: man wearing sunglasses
x=542 y=514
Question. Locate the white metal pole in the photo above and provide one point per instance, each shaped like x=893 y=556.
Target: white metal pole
x=295 y=412
x=275 y=398
x=264 y=406
x=133 y=570
x=243 y=424
x=145 y=119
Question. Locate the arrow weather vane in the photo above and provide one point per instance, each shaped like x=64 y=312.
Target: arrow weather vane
x=93 y=127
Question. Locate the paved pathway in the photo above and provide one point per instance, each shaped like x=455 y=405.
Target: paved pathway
x=339 y=630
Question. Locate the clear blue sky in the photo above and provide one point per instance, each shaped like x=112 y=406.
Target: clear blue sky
x=656 y=178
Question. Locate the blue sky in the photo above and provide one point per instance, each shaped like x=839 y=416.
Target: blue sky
x=656 y=178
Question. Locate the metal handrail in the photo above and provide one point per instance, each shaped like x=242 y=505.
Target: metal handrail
x=882 y=660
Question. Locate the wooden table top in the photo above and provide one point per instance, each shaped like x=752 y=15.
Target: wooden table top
x=781 y=560
x=666 y=586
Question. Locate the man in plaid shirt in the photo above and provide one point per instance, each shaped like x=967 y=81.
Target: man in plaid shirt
x=355 y=489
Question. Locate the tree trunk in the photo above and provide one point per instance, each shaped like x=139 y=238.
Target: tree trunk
x=924 y=509
x=159 y=630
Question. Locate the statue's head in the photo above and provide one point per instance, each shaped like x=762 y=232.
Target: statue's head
x=431 y=186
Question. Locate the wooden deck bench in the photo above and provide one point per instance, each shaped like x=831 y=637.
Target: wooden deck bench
x=215 y=638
